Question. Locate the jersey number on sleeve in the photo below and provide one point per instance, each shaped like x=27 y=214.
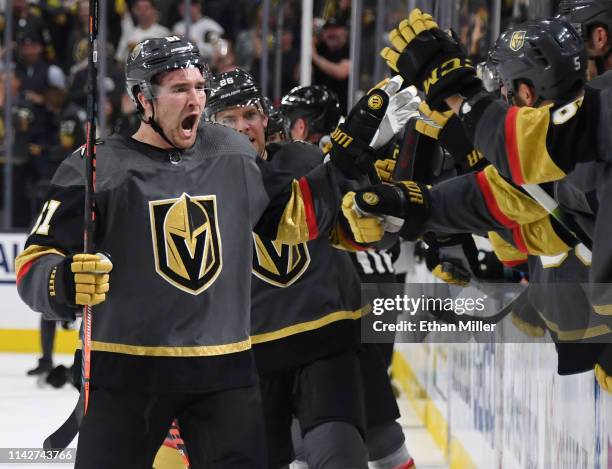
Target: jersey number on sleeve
x=43 y=223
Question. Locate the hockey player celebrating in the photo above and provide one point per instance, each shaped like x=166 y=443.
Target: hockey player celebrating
x=176 y=205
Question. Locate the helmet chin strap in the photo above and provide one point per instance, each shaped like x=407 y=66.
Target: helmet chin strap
x=264 y=152
x=157 y=128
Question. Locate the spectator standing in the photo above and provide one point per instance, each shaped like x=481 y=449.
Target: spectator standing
x=147 y=27
x=330 y=59
x=21 y=117
x=27 y=18
x=203 y=31
x=36 y=75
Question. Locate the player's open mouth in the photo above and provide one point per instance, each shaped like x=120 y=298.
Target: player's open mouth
x=188 y=124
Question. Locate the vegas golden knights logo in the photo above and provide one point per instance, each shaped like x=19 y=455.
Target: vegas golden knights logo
x=517 y=40
x=186 y=241
x=279 y=264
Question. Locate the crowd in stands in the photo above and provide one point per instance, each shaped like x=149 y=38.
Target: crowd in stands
x=49 y=70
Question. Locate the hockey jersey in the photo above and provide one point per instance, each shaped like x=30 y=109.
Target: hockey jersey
x=306 y=298
x=178 y=228
x=539 y=145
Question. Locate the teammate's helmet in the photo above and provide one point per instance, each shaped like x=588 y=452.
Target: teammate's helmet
x=317 y=104
x=277 y=121
x=234 y=88
x=547 y=54
x=586 y=14
x=154 y=56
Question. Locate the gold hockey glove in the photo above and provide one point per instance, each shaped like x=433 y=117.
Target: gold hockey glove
x=384 y=169
x=81 y=279
x=365 y=229
x=406 y=200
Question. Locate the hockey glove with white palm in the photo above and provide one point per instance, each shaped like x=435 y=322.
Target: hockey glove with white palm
x=351 y=151
x=403 y=105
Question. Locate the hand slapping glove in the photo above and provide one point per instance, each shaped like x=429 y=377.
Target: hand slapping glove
x=403 y=105
x=402 y=207
x=447 y=128
x=431 y=59
x=351 y=152
x=370 y=125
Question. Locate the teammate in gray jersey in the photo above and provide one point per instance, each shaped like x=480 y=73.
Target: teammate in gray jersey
x=305 y=325
x=176 y=205
x=304 y=309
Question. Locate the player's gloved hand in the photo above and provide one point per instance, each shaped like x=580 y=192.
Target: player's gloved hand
x=446 y=127
x=351 y=151
x=406 y=200
x=365 y=229
x=488 y=266
x=81 y=279
x=384 y=169
x=403 y=105
x=603 y=369
x=432 y=122
x=432 y=60
x=441 y=258
x=452 y=272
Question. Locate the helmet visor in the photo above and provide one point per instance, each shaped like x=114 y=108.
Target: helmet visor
x=489 y=76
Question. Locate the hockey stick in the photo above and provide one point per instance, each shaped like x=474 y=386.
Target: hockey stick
x=61 y=438
x=565 y=219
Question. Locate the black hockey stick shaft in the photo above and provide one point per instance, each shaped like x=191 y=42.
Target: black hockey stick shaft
x=62 y=437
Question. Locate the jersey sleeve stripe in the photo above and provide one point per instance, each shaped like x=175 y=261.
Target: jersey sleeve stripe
x=519 y=240
x=25 y=259
x=311 y=218
x=25 y=268
x=540 y=238
x=527 y=131
x=514 y=263
x=491 y=203
x=512 y=149
x=507 y=253
x=514 y=204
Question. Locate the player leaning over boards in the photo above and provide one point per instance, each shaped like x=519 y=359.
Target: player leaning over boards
x=541 y=72
x=525 y=144
x=175 y=208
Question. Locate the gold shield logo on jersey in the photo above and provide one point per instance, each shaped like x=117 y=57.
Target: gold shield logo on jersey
x=186 y=241
x=279 y=264
x=517 y=40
